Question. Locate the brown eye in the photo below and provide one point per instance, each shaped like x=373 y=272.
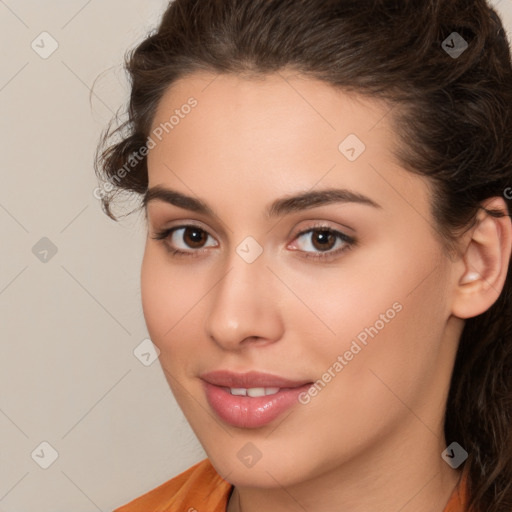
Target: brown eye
x=184 y=239
x=194 y=237
x=323 y=240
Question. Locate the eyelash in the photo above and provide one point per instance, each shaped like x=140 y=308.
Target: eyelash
x=349 y=242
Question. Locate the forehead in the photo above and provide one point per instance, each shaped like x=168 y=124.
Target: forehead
x=257 y=132
x=230 y=101
x=278 y=118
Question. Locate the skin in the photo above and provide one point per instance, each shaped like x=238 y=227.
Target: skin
x=372 y=438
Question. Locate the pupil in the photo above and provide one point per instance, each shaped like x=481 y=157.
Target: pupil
x=323 y=238
x=194 y=237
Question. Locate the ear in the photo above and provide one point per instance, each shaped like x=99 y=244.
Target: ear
x=483 y=269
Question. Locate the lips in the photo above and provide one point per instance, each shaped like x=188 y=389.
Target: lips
x=224 y=378
x=252 y=399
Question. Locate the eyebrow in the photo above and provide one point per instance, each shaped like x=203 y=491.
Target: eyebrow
x=279 y=207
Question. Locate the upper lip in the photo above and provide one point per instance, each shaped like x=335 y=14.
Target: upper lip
x=250 y=379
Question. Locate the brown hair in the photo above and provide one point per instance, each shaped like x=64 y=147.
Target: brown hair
x=452 y=114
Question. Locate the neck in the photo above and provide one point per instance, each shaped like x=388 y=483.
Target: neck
x=408 y=475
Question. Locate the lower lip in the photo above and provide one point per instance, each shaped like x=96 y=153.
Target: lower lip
x=249 y=412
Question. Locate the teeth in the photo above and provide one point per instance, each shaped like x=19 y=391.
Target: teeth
x=253 y=392
x=238 y=391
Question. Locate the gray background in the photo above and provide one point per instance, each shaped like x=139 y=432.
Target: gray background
x=71 y=319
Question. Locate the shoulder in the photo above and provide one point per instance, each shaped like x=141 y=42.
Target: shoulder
x=199 y=487
x=459 y=499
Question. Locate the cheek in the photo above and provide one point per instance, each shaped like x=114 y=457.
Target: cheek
x=379 y=380
x=155 y=296
x=169 y=296
x=388 y=317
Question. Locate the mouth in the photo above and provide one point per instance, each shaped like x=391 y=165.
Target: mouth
x=252 y=399
x=250 y=380
x=253 y=392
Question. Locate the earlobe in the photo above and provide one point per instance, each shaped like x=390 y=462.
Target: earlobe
x=485 y=261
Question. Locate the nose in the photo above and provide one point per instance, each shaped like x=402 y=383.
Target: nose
x=244 y=307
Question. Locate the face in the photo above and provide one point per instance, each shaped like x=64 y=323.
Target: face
x=303 y=264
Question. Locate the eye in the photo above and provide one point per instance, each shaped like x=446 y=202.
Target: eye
x=322 y=241
x=185 y=239
x=316 y=242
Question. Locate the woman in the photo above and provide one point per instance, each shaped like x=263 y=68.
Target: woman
x=326 y=186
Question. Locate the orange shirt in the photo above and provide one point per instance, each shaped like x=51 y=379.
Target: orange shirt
x=201 y=489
